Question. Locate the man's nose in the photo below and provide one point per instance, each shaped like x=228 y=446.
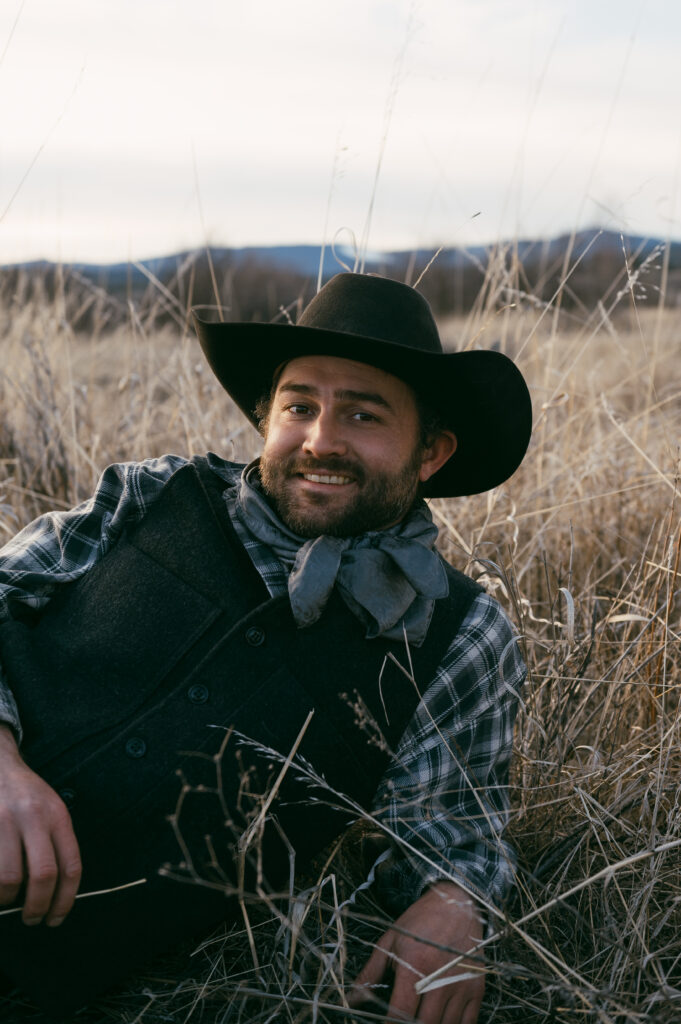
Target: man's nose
x=324 y=437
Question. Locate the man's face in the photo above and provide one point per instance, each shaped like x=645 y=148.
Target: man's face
x=342 y=450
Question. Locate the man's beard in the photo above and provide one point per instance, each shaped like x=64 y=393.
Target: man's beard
x=379 y=502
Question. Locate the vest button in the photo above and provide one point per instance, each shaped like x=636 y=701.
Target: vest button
x=255 y=636
x=198 y=693
x=68 y=796
x=135 y=747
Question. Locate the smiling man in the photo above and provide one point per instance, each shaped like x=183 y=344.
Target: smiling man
x=189 y=594
x=344 y=452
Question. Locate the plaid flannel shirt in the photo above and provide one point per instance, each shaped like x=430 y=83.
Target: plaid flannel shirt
x=443 y=801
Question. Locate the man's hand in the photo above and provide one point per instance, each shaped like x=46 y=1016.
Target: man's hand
x=37 y=843
x=446 y=916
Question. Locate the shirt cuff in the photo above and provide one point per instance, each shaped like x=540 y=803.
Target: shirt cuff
x=402 y=878
x=9 y=713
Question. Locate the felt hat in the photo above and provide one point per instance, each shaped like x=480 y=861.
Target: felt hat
x=480 y=394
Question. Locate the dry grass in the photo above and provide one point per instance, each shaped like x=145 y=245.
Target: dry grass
x=581 y=546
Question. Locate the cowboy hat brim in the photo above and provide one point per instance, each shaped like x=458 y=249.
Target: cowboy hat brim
x=480 y=395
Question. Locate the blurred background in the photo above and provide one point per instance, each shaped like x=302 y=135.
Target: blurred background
x=132 y=129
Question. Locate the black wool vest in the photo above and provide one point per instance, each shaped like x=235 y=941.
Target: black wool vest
x=132 y=689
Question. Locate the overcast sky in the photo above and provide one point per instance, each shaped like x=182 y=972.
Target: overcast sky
x=133 y=128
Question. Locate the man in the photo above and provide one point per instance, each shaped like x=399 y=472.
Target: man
x=188 y=595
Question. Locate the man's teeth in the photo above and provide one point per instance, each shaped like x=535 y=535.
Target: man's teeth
x=319 y=478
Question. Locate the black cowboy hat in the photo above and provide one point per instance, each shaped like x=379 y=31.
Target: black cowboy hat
x=480 y=395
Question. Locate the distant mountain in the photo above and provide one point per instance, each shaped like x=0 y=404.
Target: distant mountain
x=304 y=259
x=263 y=282
x=300 y=259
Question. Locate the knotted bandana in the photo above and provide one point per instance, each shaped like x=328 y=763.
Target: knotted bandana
x=389 y=579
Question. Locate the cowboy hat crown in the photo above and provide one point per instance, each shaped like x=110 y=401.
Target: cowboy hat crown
x=480 y=395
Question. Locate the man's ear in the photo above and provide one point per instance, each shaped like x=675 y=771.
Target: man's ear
x=436 y=454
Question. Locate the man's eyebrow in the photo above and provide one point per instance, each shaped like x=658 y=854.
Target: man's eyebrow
x=342 y=394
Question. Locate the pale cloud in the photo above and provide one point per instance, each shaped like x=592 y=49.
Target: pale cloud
x=530 y=112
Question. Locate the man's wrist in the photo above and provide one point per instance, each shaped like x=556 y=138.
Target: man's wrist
x=8 y=741
x=454 y=896
x=452 y=893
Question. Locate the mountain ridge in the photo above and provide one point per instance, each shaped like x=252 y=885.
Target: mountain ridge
x=304 y=257
x=265 y=283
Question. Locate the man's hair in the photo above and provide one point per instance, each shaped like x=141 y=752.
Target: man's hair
x=430 y=421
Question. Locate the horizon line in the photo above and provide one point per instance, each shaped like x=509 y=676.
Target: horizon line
x=373 y=254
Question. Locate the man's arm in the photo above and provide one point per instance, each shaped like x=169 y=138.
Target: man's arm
x=37 y=843
x=60 y=547
x=445 y=801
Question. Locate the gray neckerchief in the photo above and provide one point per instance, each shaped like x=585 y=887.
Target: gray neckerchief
x=389 y=579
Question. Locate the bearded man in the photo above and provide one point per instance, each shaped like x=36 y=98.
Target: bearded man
x=289 y=603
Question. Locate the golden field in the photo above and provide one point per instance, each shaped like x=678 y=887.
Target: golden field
x=582 y=547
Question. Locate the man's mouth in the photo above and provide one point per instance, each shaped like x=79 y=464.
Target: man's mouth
x=324 y=478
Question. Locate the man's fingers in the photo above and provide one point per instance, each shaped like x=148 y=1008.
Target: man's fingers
x=404 y=1001
x=41 y=871
x=363 y=986
x=436 y=1006
x=69 y=871
x=11 y=864
x=37 y=843
x=463 y=1011
x=471 y=1011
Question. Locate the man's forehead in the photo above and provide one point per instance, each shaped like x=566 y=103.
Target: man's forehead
x=345 y=374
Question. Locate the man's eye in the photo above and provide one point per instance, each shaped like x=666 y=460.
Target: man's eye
x=364 y=417
x=297 y=409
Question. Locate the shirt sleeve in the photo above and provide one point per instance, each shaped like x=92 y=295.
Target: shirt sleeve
x=60 y=547
x=444 y=799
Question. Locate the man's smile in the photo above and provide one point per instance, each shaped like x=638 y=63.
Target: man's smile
x=323 y=478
